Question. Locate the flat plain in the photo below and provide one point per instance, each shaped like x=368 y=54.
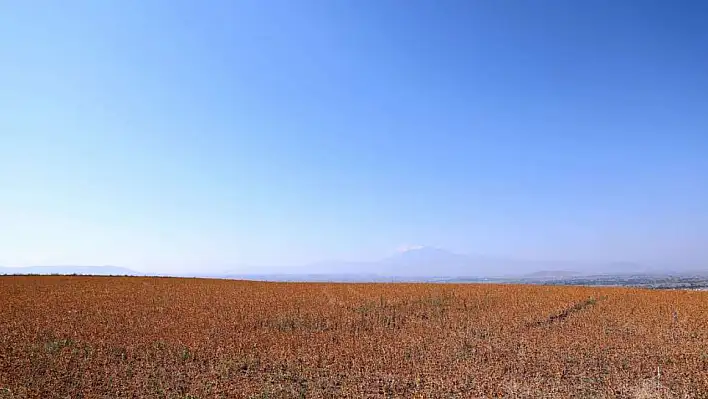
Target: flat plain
x=135 y=337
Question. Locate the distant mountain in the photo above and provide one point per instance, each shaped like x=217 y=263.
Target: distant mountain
x=427 y=255
x=427 y=262
x=423 y=261
x=418 y=263
x=431 y=261
x=625 y=268
x=83 y=270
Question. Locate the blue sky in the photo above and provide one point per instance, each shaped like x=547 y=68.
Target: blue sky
x=174 y=135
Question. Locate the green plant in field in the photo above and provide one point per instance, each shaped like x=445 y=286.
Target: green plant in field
x=185 y=354
x=56 y=345
x=365 y=308
x=286 y=324
x=265 y=394
x=302 y=394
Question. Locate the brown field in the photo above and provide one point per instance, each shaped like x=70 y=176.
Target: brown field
x=124 y=337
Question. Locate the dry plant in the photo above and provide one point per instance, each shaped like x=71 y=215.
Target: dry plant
x=129 y=337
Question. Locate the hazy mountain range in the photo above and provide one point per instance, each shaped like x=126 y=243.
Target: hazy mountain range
x=86 y=270
x=410 y=264
x=435 y=262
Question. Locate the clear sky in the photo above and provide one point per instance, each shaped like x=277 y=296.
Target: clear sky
x=173 y=135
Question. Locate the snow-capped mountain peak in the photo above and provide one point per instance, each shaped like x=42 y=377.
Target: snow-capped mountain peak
x=424 y=259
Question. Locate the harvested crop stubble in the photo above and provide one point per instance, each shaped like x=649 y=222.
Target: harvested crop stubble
x=101 y=337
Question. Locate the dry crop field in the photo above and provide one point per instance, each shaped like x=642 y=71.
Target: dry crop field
x=129 y=337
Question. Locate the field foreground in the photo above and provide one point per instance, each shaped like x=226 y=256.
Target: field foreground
x=127 y=337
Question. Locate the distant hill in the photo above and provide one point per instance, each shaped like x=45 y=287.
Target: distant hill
x=82 y=270
x=423 y=261
x=415 y=262
x=419 y=263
